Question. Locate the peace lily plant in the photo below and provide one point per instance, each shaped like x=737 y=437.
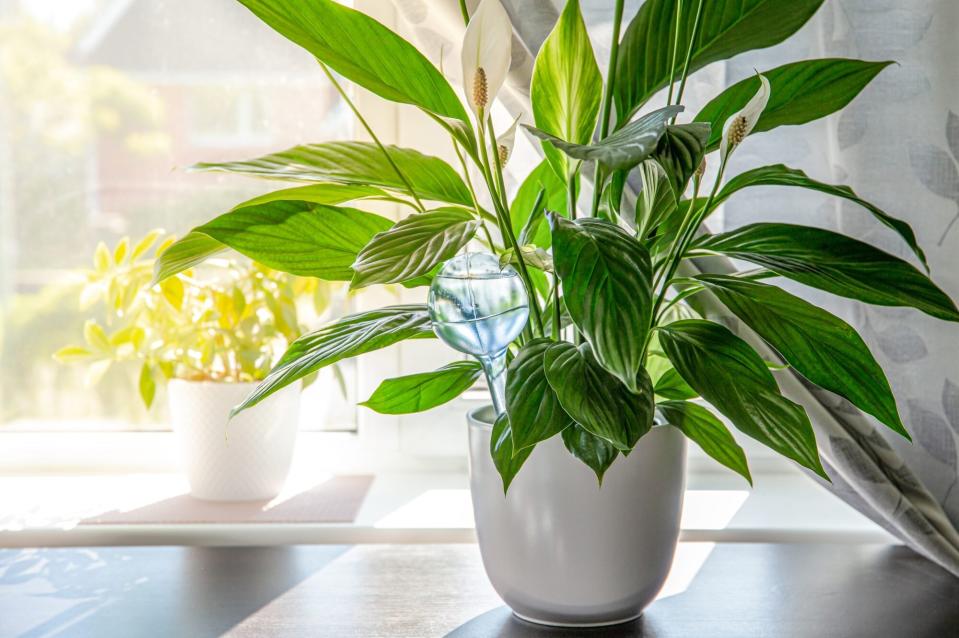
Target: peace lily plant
x=614 y=343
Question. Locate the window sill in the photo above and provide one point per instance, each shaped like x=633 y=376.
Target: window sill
x=405 y=507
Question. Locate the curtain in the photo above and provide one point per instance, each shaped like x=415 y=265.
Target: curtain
x=897 y=145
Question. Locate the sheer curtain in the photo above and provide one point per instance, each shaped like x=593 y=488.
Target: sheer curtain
x=898 y=146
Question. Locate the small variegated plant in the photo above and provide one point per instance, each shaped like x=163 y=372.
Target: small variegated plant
x=614 y=343
x=228 y=323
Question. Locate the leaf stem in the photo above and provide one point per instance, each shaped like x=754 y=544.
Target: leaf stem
x=672 y=60
x=369 y=130
x=611 y=69
x=689 y=53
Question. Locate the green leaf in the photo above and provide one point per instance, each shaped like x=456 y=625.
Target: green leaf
x=413 y=246
x=672 y=386
x=780 y=175
x=298 y=237
x=708 y=432
x=621 y=150
x=192 y=250
x=596 y=399
x=332 y=194
x=801 y=92
x=596 y=453
x=362 y=50
x=354 y=163
x=534 y=410
x=835 y=263
x=147 y=385
x=727 y=28
x=347 y=337
x=729 y=374
x=506 y=461
x=419 y=392
x=820 y=346
x=523 y=212
x=70 y=354
x=95 y=337
x=607 y=283
x=680 y=152
x=567 y=86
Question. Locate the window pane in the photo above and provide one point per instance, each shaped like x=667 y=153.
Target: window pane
x=103 y=105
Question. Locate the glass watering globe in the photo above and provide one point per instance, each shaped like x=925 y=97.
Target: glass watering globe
x=478 y=308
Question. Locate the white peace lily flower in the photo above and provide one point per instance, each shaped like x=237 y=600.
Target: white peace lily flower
x=742 y=123
x=486 y=54
x=505 y=142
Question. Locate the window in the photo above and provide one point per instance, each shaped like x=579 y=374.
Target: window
x=103 y=105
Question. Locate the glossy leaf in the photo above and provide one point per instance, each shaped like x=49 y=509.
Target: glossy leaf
x=835 y=263
x=598 y=454
x=596 y=399
x=820 y=346
x=362 y=50
x=347 y=337
x=801 y=92
x=423 y=391
x=727 y=28
x=708 y=432
x=567 y=86
x=413 y=247
x=301 y=238
x=354 y=163
x=729 y=374
x=672 y=386
x=680 y=152
x=506 y=461
x=780 y=175
x=621 y=150
x=534 y=409
x=607 y=282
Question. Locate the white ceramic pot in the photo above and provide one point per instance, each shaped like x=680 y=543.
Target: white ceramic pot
x=562 y=551
x=246 y=458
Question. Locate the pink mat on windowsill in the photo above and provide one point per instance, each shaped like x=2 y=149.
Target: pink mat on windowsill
x=336 y=500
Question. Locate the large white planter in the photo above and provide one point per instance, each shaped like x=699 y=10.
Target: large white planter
x=562 y=551
x=246 y=458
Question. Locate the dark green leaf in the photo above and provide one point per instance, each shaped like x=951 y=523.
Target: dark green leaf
x=801 y=92
x=835 y=263
x=680 y=152
x=413 y=247
x=534 y=410
x=361 y=49
x=607 y=284
x=729 y=374
x=780 y=175
x=672 y=386
x=355 y=163
x=623 y=149
x=506 y=461
x=822 y=347
x=567 y=86
x=708 y=432
x=347 y=337
x=419 y=392
x=727 y=28
x=596 y=399
x=596 y=453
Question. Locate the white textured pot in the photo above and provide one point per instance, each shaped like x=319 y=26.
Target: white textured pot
x=562 y=551
x=245 y=458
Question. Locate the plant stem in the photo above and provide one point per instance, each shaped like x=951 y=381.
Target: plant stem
x=689 y=53
x=362 y=120
x=465 y=12
x=672 y=60
x=607 y=100
x=469 y=185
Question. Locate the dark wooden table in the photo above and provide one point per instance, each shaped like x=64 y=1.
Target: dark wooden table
x=419 y=591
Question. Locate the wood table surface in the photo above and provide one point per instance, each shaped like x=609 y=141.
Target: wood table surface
x=420 y=591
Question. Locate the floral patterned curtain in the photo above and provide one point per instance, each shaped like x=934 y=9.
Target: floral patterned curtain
x=898 y=146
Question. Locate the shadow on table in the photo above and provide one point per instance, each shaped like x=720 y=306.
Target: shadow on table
x=784 y=590
x=133 y=591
